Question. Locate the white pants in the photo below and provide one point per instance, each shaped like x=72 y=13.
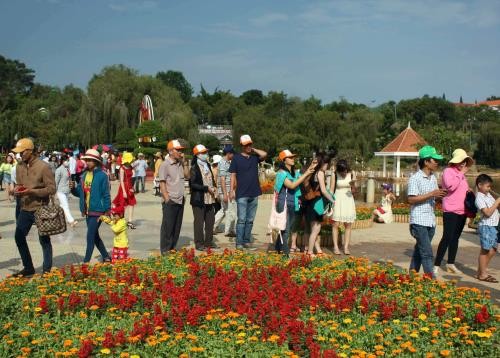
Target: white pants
x=228 y=211
x=63 y=202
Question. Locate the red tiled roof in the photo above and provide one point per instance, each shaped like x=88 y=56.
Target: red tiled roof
x=490 y=103
x=407 y=141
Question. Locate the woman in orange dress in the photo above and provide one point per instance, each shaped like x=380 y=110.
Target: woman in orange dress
x=126 y=195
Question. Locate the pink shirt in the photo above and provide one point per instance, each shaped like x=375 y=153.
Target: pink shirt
x=455 y=182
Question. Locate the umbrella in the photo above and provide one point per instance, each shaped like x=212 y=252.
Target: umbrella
x=101 y=147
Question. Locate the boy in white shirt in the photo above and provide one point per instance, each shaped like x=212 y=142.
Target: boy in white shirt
x=488 y=207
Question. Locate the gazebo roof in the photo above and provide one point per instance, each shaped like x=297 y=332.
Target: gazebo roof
x=405 y=144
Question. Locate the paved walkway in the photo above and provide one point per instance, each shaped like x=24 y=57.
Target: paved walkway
x=379 y=243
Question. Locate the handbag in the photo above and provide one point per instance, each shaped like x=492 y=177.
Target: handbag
x=470 y=204
x=50 y=219
x=277 y=221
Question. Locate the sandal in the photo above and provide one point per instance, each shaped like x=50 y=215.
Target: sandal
x=337 y=252
x=488 y=278
x=347 y=252
x=131 y=225
x=293 y=249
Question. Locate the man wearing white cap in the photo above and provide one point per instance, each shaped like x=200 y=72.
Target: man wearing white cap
x=245 y=188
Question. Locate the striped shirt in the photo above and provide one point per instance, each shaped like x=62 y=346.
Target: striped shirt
x=484 y=201
x=422 y=213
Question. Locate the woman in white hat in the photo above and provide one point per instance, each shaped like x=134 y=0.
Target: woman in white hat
x=454 y=213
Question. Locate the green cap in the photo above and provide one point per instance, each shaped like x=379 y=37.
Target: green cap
x=429 y=152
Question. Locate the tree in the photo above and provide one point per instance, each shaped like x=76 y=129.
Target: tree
x=151 y=129
x=15 y=79
x=176 y=79
x=488 y=146
x=126 y=139
x=253 y=97
x=211 y=142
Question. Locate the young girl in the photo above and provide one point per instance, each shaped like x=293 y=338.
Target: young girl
x=383 y=214
x=126 y=195
x=119 y=227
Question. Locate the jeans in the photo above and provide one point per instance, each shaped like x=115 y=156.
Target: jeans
x=227 y=212
x=139 y=180
x=422 y=254
x=283 y=247
x=247 y=208
x=25 y=221
x=204 y=218
x=170 y=226
x=453 y=225
x=93 y=239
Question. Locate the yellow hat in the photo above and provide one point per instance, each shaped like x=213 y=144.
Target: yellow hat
x=127 y=158
x=23 y=144
x=459 y=155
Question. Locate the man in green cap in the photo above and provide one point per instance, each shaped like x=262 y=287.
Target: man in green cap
x=422 y=193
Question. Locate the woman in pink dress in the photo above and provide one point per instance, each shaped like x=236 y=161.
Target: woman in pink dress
x=126 y=196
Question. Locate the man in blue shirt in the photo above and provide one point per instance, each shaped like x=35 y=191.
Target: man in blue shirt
x=422 y=193
x=245 y=187
x=140 y=166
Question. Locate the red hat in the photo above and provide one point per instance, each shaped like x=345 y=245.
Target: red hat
x=199 y=148
x=286 y=154
x=175 y=144
x=118 y=210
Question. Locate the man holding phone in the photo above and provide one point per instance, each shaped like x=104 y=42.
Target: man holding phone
x=35 y=184
x=422 y=194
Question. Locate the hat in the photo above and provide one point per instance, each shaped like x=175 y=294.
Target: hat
x=127 y=157
x=117 y=210
x=387 y=186
x=245 y=139
x=23 y=144
x=158 y=154
x=429 y=152
x=140 y=155
x=199 y=148
x=216 y=159
x=228 y=148
x=459 y=155
x=174 y=144
x=286 y=154
x=92 y=154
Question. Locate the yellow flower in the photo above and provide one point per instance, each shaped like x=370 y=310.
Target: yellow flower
x=38 y=309
x=105 y=351
x=241 y=334
x=425 y=329
x=25 y=334
x=422 y=317
x=347 y=321
x=135 y=356
x=67 y=343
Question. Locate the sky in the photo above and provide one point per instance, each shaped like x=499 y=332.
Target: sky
x=367 y=51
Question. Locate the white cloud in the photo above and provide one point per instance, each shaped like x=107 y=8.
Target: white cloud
x=268 y=19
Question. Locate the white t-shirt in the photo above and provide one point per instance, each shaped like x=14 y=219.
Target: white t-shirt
x=484 y=201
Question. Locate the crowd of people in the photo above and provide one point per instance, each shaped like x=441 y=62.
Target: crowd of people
x=224 y=197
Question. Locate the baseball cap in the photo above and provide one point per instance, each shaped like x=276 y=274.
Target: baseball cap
x=459 y=155
x=92 y=154
x=228 y=148
x=199 y=148
x=245 y=139
x=216 y=159
x=174 y=144
x=23 y=144
x=286 y=154
x=428 y=151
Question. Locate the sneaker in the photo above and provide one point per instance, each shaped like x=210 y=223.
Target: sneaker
x=453 y=269
x=24 y=273
x=249 y=247
x=436 y=270
x=239 y=247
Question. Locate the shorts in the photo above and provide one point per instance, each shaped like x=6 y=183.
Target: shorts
x=488 y=237
x=119 y=253
x=7 y=179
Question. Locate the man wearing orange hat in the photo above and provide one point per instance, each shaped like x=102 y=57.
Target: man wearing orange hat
x=35 y=183
x=245 y=188
x=171 y=175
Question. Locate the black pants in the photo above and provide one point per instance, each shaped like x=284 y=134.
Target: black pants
x=25 y=221
x=453 y=224
x=170 y=226
x=204 y=219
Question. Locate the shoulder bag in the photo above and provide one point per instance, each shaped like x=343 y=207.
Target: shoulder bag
x=50 y=219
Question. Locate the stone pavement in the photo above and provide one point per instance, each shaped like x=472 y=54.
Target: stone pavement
x=380 y=243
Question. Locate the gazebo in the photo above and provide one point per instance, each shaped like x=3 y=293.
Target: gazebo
x=406 y=144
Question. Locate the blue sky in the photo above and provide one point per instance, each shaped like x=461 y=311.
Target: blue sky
x=361 y=50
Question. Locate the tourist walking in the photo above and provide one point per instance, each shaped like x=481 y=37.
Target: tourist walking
x=140 y=166
x=383 y=213
x=203 y=199
x=6 y=172
x=171 y=175
x=53 y=163
x=156 y=182
x=125 y=197
x=228 y=211
x=488 y=226
x=95 y=201
x=63 y=179
x=344 y=211
x=14 y=182
x=245 y=188
x=72 y=166
x=422 y=194
x=287 y=187
x=454 y=216
x=35 y=185
x=314 y=196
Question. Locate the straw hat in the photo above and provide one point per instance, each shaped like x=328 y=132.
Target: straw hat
x=460 y=155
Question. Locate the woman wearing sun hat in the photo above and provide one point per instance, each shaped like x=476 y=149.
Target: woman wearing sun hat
x=454 y=215
x=126 y=195
x=95 y=201
x=203 y=198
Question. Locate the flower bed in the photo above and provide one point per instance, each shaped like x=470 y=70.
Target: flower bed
x=237 y=304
